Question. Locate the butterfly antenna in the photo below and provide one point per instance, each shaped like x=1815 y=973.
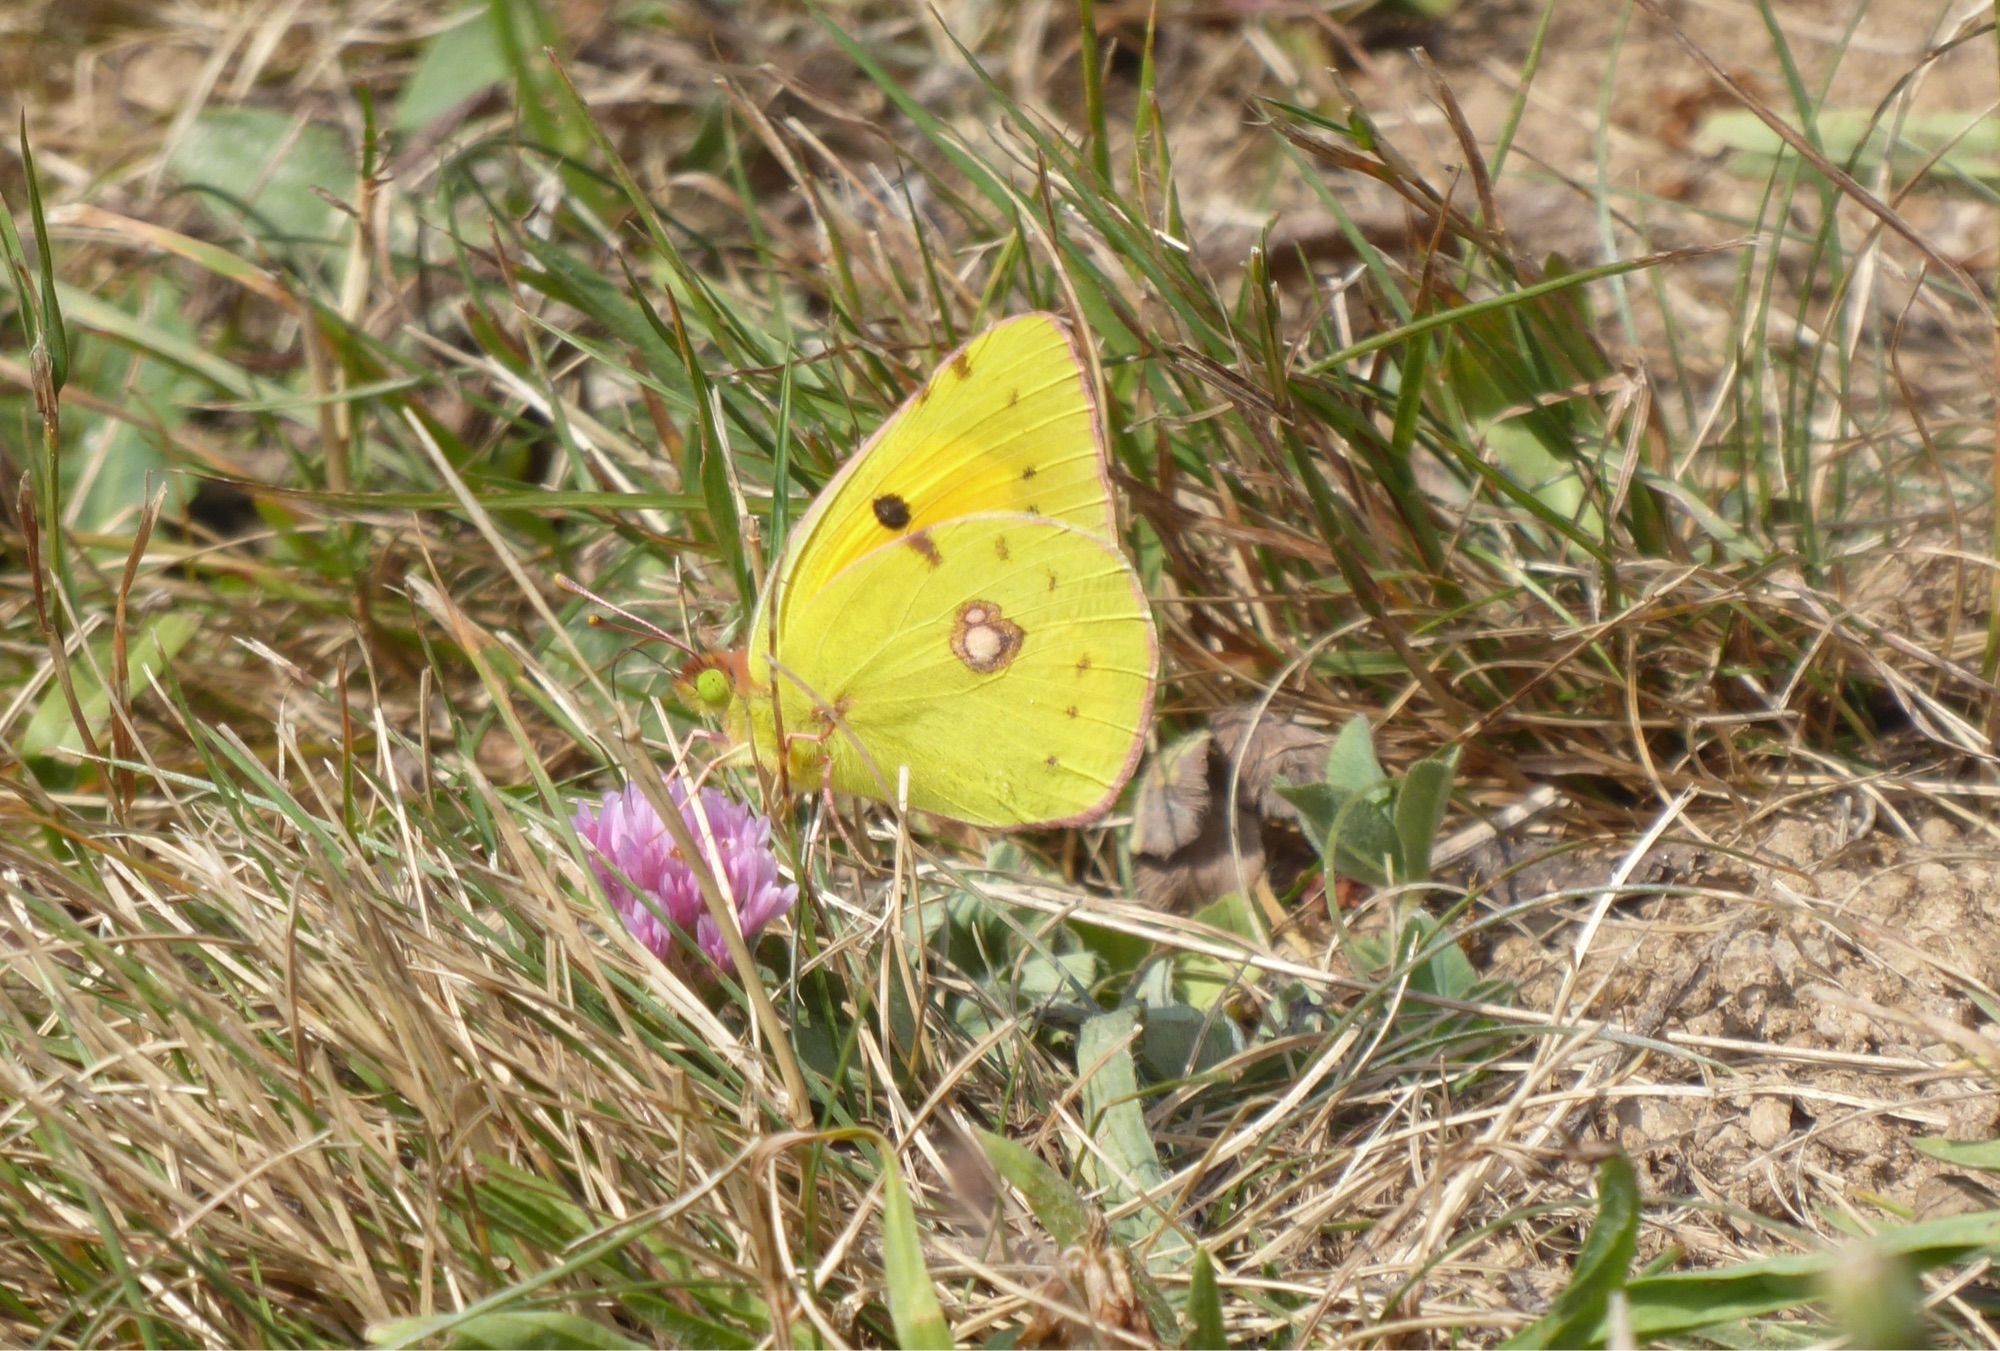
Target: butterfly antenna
x=635 y=625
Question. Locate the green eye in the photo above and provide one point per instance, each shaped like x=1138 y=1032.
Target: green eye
x=712 y=688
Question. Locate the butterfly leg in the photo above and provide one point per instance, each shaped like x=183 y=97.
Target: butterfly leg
x=711 y=768
x=804 y=760
x=839 y=821
x=805 y=755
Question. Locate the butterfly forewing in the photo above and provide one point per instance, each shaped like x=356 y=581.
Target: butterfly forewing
x=1008 y=423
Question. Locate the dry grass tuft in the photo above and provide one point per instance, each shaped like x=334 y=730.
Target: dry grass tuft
x=314 y=1028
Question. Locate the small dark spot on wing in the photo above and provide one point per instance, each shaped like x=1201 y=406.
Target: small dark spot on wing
x=961 y=365
x=926 y=547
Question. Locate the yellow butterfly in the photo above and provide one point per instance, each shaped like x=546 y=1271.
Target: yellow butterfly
x=955 y=604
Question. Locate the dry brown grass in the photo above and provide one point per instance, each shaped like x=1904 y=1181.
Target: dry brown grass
x=312 y=1022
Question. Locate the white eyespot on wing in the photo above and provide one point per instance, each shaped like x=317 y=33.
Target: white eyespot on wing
x=985 y=640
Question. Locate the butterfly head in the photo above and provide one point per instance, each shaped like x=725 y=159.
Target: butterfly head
x=711 y=681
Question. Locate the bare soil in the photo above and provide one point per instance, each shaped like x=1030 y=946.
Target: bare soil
x=1814 y=1001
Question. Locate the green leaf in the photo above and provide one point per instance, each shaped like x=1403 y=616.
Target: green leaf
x=1205 y=981
x=1059 y=1206
x=913 y=1302
x=711 y=467
x=562 y=276
x=148 y=650
x=1118 y=953
x=1153 y=987
x=1061 y=975
x=459 y=62
x=54 y=338
x=1552 y=480
x=1421 y=799
x=1875 y=1298
x=1601 y=1268
x=103 y=491
x=1681 y=1302
x=1363 y=844
x=1961 y=146
x=1204 y=1307
x=1350 y=763
x=1449 y=975
x=1352 y=826
x=1202 y=980
x=1981 y=1154
x=1111 y=1105
x=528 y=1217
x=282 y=162
x=538 y=1329
x=1319 y=806
x=1235 y=914
x=14 y=267
x=1181 y=1041
x=1111 y=1099
x=162 y=341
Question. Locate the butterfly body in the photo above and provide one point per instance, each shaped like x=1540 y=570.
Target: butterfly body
x=955 y=605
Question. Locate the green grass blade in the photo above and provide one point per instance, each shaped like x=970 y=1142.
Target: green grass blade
x=913 y=1302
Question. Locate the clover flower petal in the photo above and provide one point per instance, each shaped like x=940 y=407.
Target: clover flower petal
x=645 y=876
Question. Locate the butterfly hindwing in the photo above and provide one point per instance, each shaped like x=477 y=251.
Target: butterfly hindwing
x=1007 y=660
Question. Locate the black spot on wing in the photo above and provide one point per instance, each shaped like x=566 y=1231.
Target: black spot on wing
x=892 y=511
